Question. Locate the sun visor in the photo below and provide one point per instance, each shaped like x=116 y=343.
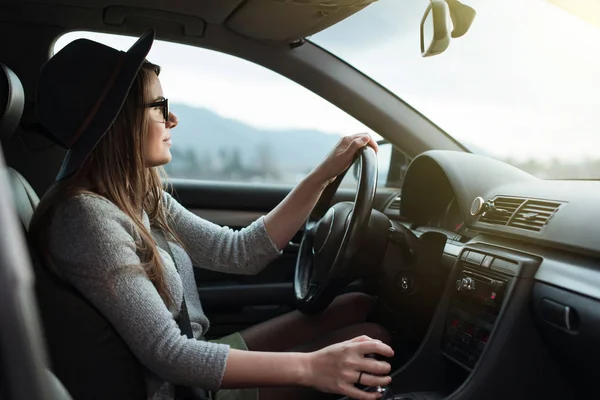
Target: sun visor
x=290 y=20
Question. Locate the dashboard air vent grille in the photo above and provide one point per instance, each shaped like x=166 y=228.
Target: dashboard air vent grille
x=508 y=204
x=394 y=204
x=534 y=215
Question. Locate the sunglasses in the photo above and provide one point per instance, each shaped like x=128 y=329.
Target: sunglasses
x=164 y=103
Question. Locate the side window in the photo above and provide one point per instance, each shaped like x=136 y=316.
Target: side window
x=238 y=121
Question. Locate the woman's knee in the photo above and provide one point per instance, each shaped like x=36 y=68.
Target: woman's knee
x=370 y=329
x=376 y=331
x=355 y=304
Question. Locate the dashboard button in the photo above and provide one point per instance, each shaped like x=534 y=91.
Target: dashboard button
x=484 y=336
x=464 y=255
x=471 y=361
x=505 y=266
x=469 y=329
x=487 y=261
x=474 y=258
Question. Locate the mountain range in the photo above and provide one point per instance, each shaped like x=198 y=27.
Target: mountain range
x=209 y=146
x=209 y=136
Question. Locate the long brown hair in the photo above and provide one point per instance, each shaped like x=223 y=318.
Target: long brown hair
x=116 y=170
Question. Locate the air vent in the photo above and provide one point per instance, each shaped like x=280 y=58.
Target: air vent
x=395 y=204
x=506 y=206
x=392 y=209
x=534 y=215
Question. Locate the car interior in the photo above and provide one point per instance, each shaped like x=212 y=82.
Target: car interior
x=487 y=276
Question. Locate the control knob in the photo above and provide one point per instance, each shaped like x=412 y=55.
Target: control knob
x=465 y=284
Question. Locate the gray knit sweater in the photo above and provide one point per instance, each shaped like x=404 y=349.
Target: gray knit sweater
x=93 y=244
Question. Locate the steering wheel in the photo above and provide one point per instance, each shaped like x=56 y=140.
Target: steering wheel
x=332 y=237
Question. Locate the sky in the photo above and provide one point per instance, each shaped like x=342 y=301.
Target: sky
x=234 y=88
x=523 y=82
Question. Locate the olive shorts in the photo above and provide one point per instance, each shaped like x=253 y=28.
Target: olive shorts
x=235 y=341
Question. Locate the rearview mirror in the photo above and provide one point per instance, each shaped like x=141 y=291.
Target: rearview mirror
x=462 y=17
x=435 y=30
x=441 y=16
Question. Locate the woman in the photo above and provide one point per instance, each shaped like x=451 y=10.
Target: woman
x=99 y=225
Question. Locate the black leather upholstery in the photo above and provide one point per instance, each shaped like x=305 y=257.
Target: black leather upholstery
x=12 y=101
x=87 y=354
x=26 y=200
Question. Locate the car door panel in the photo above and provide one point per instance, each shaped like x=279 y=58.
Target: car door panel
x=236 y=196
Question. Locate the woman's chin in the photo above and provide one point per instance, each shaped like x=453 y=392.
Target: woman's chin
x=158 y=161
x=166 y=160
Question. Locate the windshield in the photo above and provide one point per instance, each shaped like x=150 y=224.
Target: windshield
x=523 y=84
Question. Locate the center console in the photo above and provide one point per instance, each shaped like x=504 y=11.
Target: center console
x=481 y=342
x=478 y=295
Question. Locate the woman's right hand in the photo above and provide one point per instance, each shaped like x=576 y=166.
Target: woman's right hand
x=336 y=368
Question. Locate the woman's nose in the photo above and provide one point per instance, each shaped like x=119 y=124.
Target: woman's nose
x=173 y=121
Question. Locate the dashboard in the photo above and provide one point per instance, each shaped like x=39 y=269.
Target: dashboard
x=451 y=219
x=440 y=187
x=541 y=237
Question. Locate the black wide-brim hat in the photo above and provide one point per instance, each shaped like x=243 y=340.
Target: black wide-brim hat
x=82 y=89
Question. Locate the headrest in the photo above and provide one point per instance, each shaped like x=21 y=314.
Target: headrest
x=12 y=100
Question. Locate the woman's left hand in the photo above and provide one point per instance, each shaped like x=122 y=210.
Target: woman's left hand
x=342 y=155
x=284 y=221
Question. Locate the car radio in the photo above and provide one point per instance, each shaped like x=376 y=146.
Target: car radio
x=475 y=305
x=476 y=288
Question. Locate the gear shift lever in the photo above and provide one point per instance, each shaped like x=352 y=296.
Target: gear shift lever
x=387 y=394
x=379 y=389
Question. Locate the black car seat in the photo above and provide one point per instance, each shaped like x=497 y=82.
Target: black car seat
x=23 y=372
x=12 y=101
x=86 y=353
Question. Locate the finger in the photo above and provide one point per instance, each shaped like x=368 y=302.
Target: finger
x=375 y=367
x=362 y=338
x=374 y=145
x=358 y=143
x=355 y=393
x=358 y=135
x=375 y=346
x=367 y=138
x=370 y=142
x=374 y=380
x=350 y=143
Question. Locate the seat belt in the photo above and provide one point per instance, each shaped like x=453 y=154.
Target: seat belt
x=182 y=392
